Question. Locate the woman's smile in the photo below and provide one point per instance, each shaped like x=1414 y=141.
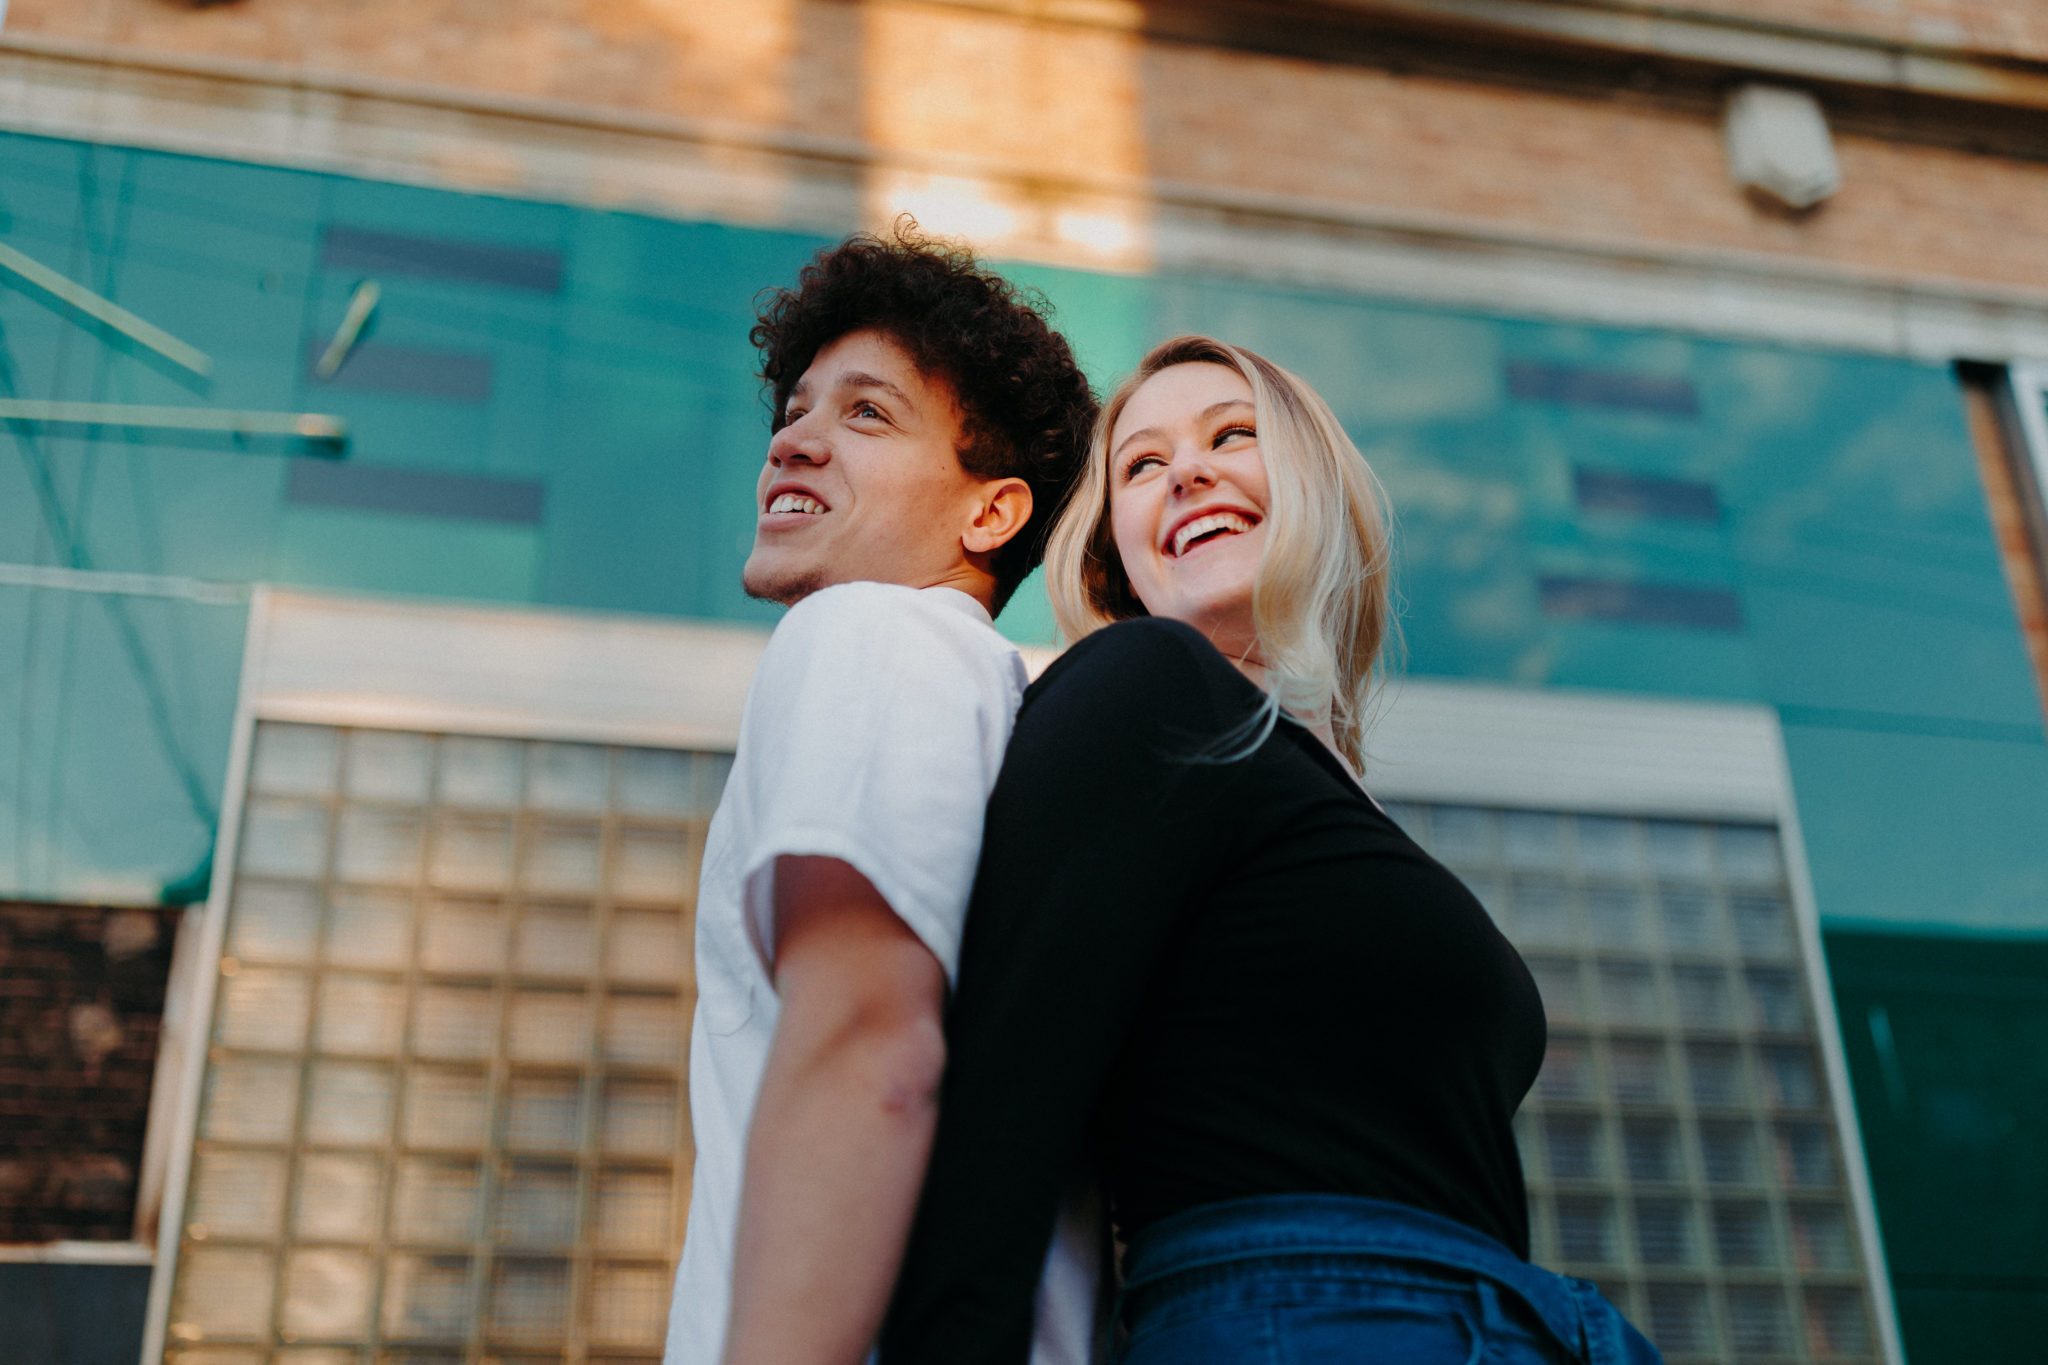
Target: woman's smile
x=1202 y=528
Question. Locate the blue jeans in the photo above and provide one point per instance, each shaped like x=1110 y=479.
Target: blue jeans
x=1309 y=1279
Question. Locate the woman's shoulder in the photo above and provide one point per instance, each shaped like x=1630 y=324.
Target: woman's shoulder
x=1168 y=664
x=1141 y=646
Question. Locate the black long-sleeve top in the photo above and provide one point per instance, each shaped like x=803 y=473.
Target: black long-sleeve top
x=1215 y=977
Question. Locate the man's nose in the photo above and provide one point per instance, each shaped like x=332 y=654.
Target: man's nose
x=798 y=443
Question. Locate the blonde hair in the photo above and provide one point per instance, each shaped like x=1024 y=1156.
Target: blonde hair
x=1320 y=602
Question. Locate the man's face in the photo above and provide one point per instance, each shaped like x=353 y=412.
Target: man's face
x=863 y=481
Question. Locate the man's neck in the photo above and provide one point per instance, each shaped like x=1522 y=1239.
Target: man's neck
x=979 y=589
x=968 y=579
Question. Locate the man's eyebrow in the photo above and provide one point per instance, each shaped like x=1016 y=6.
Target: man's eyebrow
x=1204 y=415
x=859 y=379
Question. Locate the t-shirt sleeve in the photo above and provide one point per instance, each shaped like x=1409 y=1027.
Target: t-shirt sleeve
x=1109 y=821
x=873 y=734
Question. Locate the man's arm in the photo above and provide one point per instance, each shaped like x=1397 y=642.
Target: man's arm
x=843 y=1125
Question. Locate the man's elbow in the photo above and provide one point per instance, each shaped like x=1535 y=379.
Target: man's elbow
x=899 y=1059
x=873 y=1054
x=862 y=995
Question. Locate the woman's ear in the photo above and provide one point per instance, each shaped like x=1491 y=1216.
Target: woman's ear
x=1004 y=507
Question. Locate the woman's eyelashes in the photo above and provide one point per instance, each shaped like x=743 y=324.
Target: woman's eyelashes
x=1224 y=436
x=1136 y=465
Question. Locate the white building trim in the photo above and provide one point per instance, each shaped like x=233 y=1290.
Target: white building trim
x=1655 y=28
x=76 y=1253
x=1658 y=28
x=399 y=664
x=2030 y=396
x=1552 y=749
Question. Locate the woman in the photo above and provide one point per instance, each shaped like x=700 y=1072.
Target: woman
x=1202 y=957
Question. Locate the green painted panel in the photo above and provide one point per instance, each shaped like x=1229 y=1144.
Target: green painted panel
x=1923 y=829
x=1947 y=1040
x=1851 y=516
x=1106 y=319
x=93 y=788
x=394 y=553
x=1027 y=619
x=659 y=430
x=1945 y=1326
x=1846 y=550
x=222 y=258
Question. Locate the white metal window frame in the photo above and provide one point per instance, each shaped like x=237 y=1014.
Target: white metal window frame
x=2030 y=395
x=530 y=674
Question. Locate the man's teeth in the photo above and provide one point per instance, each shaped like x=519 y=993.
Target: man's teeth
x=796 y=502
x=1202 y=526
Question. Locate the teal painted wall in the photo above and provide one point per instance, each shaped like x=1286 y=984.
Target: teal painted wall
x=1846 y=575
x=1851 y=538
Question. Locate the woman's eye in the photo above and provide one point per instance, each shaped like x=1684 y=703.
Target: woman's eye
x=1137 y=466
x=865 y=409
x=1231 y=433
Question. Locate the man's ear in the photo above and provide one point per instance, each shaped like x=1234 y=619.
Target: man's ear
x=1004 y=507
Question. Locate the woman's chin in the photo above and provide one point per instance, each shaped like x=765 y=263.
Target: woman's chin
x=1226 y=622
x=1209 y=589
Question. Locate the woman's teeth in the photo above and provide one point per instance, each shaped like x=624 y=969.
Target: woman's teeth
x=1231 y=522
x=796 y=502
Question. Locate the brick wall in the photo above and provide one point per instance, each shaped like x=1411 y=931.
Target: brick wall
x=1612 y=169
x=1033 y=98
x=81 y=1001
x=780 y=63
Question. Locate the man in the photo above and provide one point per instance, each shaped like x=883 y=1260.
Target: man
x=926 y=424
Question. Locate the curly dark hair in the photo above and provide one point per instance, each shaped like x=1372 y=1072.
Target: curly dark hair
x=1026 y=407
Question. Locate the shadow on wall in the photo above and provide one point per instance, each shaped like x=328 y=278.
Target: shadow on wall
x=78 y=1040
x=72 y=1314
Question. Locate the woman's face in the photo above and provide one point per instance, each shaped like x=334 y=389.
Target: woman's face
x=1187 y=499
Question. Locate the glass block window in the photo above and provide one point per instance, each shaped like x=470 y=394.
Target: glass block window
x=1680 y=1145
x=443 y=1116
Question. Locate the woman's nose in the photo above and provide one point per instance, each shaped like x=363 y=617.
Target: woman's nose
x=1191 y=471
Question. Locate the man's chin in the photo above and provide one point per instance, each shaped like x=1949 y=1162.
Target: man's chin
x=787 y=584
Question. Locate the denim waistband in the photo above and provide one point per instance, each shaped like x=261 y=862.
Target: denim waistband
x=1237 y=1230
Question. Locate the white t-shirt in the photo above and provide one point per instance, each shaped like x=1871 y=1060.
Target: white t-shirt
x=873 y=731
